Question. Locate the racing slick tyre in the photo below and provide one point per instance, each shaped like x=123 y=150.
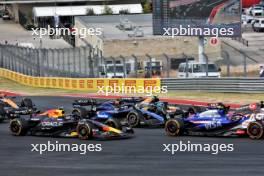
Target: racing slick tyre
x=255 y=130
x=80 y=112
x=133 y=118
x=18 y=127
x=112 y=122
x=174 y=127
x=27 y=102
x=84 y=131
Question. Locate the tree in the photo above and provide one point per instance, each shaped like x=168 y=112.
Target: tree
x=107 y=10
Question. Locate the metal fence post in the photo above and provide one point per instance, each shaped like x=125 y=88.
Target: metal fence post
x=12 y=65
x=85 y=58
x=227 y=59
x=63 y=63
x=11 y=57
x=28 y=56
x=114 y=61
x=24 y=51
x=1 y=56
x=91 y=63
x=104 y=66
x=124 y=65
x=150 y=66
x=186 y=65
x=80 y=61
x=30 y=62
x=206 y=63
x=52 y=61
x=168 y=64
x=38 y=62
x=135 y=65
x=74 y=60
x=245 y=64
x=69 y=63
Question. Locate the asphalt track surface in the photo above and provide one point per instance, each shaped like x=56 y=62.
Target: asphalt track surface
x=141 y=155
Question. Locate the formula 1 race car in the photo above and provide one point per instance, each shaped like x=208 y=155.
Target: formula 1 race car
x=218 y=122
x=153 y=112
x=106 y=112
x=11 y=109
x=150 y=112
x=55 y=123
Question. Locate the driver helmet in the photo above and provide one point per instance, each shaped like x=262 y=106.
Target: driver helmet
x=220 y=106
x=155 y=99
x=262 y=110
x=117 y=102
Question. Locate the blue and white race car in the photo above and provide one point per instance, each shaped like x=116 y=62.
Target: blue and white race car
x=218 y=122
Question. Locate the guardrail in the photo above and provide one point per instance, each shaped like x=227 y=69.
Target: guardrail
x=235 y=85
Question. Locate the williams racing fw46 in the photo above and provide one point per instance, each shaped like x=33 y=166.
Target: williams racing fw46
x=218 y=121
x=11 y=109
x=133 y=112
x=55 y=123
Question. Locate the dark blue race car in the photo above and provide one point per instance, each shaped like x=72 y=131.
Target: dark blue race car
x=112 y=113
x=133 y=112
x=217 y=122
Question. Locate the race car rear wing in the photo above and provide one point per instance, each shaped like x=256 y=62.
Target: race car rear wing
x=132 y=99
x=84 y=102
x=249 y=108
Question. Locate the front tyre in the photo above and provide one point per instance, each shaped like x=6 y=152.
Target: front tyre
x=174 y=127
x=18 y=127
x=112 y=122
x=80 y=112
x=133 y=119
x=84 y=131
x=255 y=130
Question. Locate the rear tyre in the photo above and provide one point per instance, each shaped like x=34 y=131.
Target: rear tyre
x=18 y=127
x=80 y=112
x=174 y=127
x=112 y=122
x=27 y=102
x=133 y=118
x=255 y=130
x=84 y=131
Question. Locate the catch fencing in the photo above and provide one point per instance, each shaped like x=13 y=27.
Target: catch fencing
x=71 y=62
x=88 y=62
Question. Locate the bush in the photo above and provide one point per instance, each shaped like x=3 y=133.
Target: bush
x=124 y=11
x=107 y=10
x=90 y=12
x=147 y=8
